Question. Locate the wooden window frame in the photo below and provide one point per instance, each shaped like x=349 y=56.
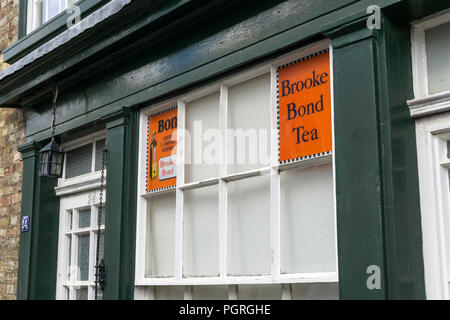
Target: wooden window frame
x=143 y=283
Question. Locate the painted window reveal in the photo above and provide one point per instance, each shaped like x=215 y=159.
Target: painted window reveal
x=304 y=107
x=161 y=150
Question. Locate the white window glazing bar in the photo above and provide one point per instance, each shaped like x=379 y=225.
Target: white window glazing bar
x=274 y=178
x=275 y=206
x=223 y=186
x=333 y=156
x=179 y=192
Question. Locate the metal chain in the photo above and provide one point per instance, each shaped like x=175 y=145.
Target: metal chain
x=55 y=97
x=100 y=267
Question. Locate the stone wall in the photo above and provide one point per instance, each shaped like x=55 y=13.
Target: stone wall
x=12 y=134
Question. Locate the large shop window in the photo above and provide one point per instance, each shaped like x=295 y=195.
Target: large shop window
x=431 y=110
x=228 y=207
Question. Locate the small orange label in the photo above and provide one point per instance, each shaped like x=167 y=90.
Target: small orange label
x=162 y=150
x=304 y=105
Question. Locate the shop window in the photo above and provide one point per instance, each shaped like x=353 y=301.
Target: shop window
x=236 y=222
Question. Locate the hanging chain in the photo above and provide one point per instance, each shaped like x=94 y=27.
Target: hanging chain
x=55 y=97
x=100 y=268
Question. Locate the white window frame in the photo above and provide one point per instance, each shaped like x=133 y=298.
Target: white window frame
x=424 y=103
x=142 y=283
x=67 y=272
x=432 y=115
x=86 y=181
x=77 y=193
x=432 y=133
x=34 y=13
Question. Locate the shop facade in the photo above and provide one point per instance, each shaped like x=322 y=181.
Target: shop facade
x=278 y=150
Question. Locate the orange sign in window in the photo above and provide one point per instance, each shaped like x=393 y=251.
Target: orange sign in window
x=304 y=106
x=161 y=150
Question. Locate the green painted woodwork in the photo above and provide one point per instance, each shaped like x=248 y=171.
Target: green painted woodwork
x=30 y=158
x=378 y=209
x=405 y=273
x=39 y=246
x=358 y=170
x=120 y=233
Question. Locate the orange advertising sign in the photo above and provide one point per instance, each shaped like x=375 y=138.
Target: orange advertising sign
x=304 y=106
x=162 y=150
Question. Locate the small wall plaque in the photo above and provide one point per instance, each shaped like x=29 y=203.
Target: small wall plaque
x=25 y=224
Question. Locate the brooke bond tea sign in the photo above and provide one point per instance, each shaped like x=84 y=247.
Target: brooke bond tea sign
x=304 y=106
x=161 y=150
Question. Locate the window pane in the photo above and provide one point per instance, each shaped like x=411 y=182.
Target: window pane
x=101 y=251
x=210 y=293
x=249 y=226
x=100 y=146
x=169 y=293
x=53 y=8
x=202 y=122
x=44 y=11
x=79 y=161
x=102 y=218
x=70 y=219
x=315 y=291
x=259 y=292
x=201 y=232
x=161 y=236
x=99 y=294
x=84 y=218
x=438 y=58
x=249 y=119
x=307 y=220
x=83 y=257
x=69 y=256
x=82 y=294
x=448 y=149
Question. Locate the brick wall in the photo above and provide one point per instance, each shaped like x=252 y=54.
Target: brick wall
x=12 y=134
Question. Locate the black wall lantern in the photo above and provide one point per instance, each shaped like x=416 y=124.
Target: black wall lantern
x=52 y=155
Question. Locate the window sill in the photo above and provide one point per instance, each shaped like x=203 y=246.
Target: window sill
x=430 y=105
x=47 y=31
x=317 y=277
x=80 y=184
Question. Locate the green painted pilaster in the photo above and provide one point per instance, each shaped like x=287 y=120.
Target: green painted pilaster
x=403 y=238
x=39 y=246
x=30 y=158
x=120 y=218
x=378 y=211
